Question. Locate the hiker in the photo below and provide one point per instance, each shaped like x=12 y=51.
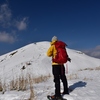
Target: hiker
x=58 y=70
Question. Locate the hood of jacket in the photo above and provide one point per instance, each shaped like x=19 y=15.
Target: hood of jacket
x=53 y=42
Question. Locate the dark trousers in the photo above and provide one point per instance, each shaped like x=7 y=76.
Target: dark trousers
x=59 y=73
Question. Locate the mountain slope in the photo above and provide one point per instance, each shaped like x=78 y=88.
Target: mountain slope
x=33 y=58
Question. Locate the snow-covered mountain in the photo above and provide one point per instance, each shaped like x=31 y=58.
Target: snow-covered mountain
x=35 y=54
x=34 y=60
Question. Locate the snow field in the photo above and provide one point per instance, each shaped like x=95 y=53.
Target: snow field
x=82 y=73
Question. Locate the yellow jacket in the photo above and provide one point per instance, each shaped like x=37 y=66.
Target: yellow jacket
x=52 y=52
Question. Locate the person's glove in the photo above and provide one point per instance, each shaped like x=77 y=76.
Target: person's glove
x=69 y=59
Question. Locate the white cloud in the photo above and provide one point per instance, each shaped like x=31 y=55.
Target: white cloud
x=7 y=20
x=97 y=47
x=21 y=25
x=95 y=52
x=5 y=15
x=6 y=37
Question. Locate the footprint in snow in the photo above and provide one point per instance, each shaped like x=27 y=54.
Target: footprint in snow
x=68 y=97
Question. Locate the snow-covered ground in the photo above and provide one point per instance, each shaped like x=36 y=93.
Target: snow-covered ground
x=83 y=73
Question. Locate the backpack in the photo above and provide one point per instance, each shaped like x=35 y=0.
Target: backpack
x=61 y=56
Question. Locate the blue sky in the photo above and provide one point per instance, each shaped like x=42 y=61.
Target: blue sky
x=76 y=22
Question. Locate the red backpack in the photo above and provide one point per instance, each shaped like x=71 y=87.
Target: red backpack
x=61 y=56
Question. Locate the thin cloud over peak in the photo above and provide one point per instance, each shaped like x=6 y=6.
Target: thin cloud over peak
x=21 y=25
x=6 y=37
x=5 y=15
x=97 y=47
x=95 y=52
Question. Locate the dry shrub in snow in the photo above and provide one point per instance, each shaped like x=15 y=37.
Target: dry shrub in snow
x=72 y=76
x=41 y=79
x=23 y=83
x=32 y=96
x=97 y=68
x=1 y=87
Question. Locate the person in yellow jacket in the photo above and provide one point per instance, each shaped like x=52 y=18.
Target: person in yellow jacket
x=58 y=71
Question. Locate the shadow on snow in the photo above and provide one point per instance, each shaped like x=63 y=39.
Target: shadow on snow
x=77 y=85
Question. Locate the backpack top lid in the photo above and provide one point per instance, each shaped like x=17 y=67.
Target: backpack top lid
x=60 y=44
